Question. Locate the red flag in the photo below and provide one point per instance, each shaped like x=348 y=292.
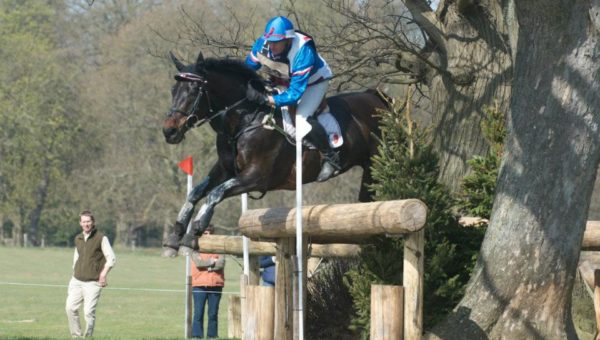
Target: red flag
x=187 y=165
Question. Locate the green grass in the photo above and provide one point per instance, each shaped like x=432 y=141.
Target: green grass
x=33 y=290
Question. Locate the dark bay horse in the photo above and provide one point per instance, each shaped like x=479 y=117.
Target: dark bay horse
x=252 y=158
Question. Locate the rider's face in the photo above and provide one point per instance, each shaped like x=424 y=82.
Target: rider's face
x=277 y=47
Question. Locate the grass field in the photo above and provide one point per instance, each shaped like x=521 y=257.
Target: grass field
x=144 y=299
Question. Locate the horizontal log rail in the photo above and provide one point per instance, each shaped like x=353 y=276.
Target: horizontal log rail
x=221 y=244
x=591 y=236
x=337 y=223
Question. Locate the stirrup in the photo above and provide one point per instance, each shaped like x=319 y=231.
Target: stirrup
x=327 y=171
x=333 y=158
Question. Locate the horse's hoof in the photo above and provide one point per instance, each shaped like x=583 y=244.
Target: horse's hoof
x=169 y=252
x=185 y=251
x=172 y=241
x=190 y=241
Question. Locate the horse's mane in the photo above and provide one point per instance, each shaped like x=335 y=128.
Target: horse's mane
x=231 y=66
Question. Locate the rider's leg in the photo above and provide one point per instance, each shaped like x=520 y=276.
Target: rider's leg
x=306 y=108
x=318 y=137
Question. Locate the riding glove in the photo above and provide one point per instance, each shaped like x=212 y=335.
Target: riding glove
x=255 y=96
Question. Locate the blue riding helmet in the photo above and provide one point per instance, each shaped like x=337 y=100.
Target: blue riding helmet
x=279 y=28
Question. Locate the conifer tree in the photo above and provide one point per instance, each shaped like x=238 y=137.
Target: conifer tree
x=407 y=167
x=478 y=188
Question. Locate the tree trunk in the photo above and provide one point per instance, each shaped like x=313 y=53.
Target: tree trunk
x=167 y=224
x=477 y=56
x=521 y=286
x=40 y=203
x=2 y=236
x=17 y=233
x=122 y=231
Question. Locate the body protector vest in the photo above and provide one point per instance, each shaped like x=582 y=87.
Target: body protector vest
x=281 y=68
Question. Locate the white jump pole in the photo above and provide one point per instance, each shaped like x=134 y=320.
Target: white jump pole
x=299 y=135
x=246 y=241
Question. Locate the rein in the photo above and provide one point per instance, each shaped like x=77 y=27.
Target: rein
x=225 y=110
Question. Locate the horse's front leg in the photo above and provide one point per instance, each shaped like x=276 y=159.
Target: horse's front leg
x=171 y=243
x=202 y=220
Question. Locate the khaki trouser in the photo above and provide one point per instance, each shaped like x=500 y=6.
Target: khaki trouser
x=87 y=293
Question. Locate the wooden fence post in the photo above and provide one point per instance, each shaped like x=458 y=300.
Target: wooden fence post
x=245 y=281
x=597 y=301
x=259 y=323
x=284 y=328
x=413 y=284
x=234 y=319
x=387 y=312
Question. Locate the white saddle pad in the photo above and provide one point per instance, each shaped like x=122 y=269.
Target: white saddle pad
x=326 y=119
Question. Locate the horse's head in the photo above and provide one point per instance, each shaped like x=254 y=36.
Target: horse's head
x=189 y=100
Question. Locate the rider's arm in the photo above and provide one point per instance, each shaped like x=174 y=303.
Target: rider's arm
x=301 y=69
x=251 y=58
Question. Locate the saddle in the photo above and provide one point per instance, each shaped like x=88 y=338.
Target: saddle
x=324 y=117
x=320 y=109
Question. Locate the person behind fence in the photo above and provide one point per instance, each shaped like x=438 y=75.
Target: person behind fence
x=208 y=280
x=267 y=265
x=290 y=58
x=92 y=260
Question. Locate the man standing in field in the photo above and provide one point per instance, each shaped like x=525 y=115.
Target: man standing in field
x=93 y=259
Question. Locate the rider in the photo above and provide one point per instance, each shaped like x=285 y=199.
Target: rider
x=291 y=59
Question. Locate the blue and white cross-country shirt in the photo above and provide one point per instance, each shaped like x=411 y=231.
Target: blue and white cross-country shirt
x=299 y=67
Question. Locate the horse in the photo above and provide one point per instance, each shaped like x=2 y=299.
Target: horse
x=252 y=158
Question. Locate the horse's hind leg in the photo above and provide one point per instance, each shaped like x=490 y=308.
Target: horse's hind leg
x=366 y=194
x=228 y=188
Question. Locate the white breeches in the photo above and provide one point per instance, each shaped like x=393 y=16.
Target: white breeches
x=308 y=104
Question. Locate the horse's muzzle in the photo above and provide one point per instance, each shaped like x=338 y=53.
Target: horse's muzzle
x=172 y=135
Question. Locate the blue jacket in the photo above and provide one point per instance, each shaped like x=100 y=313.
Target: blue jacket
x=298 y=67
x=268 y=272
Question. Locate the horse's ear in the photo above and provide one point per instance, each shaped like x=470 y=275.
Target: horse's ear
x=178 y=64
x=200 y=60
x=200 y=64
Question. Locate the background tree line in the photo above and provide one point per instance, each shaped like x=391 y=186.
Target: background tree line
x=85 y=86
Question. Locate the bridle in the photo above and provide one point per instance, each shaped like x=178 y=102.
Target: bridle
x=192 y=115
x=192 y=119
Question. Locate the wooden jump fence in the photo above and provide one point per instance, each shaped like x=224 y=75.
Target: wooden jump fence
x=334 y=231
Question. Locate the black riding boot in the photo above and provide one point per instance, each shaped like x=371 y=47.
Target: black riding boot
x=318 y=137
